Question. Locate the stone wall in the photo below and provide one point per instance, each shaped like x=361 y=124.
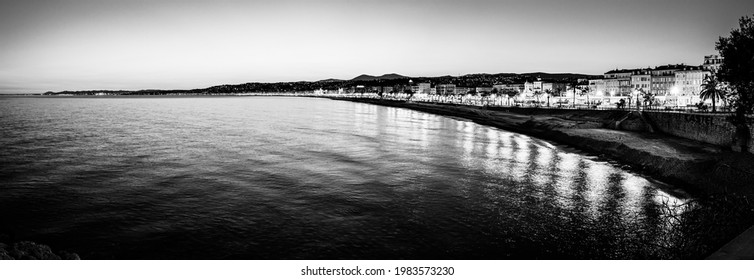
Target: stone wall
x=713 y=129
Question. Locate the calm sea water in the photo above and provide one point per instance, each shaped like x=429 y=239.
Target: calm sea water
x=289 y=178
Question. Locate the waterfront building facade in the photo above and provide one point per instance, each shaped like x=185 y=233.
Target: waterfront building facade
x=446 y=89
x=555 y=88
x=641 y=81
x=670 y=86
x=712 y=63
x=517 y=87
x=597 y=87
x=531 y=87
x=612 y=86
x=663 y=80
x=480 y=90
x=688 y=84
x=423 y=88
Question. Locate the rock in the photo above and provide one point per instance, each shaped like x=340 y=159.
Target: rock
x=68 y=256
x=4 y=255
x=27 y=250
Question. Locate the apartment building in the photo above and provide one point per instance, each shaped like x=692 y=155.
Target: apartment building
x=712 y=63
x=688 y=84
x=597 y=86
x=423 y=88
x=461 y=90
x=663 y=79
x=518 y=87
x=445 y=89
x=642 y=81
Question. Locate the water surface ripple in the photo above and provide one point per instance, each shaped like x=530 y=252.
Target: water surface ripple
x=290 y=178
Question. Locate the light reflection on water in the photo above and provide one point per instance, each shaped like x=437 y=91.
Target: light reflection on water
x=306 y=178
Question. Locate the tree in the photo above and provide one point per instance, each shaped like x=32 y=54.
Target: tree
x=511 y=93
x=537 y=94
x=471 y=92
x=485 y=97
x=573 y=85
x=649 y=98
x=410 y=93
x=639 y=93
x=737 y=69
x=711 y=88
x=621 y=104
x=584 y=91
x=495 y=91
x=549 y=93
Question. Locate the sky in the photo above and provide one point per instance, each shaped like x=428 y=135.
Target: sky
x=128 y=44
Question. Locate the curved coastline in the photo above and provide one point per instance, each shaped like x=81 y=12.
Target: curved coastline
x=723 y=177
x=698 y=168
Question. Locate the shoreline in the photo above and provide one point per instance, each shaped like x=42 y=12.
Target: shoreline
x=695 y=167
x=720 y=176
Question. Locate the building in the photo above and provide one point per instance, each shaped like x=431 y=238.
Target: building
x=620 y=86
x=597 y=86
x=642 y=81
x=619 y=73
x=612 y=87
x=501 y=87
x=688 y=84
x=424 y=88
x=483 y=89
x=446 y=89
x=462 y=90
x=712 y=62
x=531 y=87
x=663 y=79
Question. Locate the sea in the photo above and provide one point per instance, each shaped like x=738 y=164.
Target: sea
x=310 y=178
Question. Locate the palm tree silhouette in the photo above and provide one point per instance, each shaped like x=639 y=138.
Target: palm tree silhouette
x=537 y=94
x=510 y=93
x=549 y=93
x=711 y=89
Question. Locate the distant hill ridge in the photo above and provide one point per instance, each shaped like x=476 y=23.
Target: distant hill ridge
x=391 y=76
x=467 y=80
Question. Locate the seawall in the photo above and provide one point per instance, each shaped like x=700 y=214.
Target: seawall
x=694 y=166
x=712 y=129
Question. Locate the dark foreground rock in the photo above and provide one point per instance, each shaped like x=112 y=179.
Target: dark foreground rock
x=27 y=250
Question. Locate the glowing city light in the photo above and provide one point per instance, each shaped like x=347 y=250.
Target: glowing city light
x=675 y=90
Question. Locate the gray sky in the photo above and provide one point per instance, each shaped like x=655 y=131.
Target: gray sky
x=107 y=44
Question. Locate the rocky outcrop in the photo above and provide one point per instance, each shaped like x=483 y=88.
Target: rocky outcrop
x=27 y=250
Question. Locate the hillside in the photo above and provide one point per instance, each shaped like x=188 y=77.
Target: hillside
x=392 y=79
x=391 y=76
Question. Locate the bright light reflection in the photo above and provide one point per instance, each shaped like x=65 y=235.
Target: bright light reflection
x=520 y=157
x=567 y=174
x=633 y=188
x=492 y=144
x=544 y=159
x=597 y=177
